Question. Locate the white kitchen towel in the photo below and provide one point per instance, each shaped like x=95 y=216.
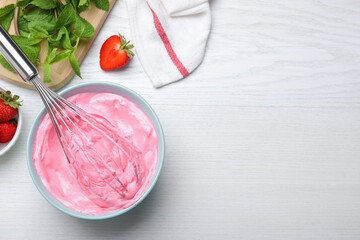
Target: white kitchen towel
x=170 y=36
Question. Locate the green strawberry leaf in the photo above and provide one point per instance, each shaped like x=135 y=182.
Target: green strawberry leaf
x=13 y=105
x=8 y=99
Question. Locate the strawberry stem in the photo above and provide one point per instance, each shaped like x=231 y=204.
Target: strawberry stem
x=10 y=100
x=126 y=46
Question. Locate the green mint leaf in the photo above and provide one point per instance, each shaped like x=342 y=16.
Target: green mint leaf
x=47 y=72
x=51 y=55
x=81 y=8
x=80 y=5
x=59 y=35
x=6 y=10
x=61 y=56
x=32 y=51
x=75 y=64
x=75 y=3
x=34 y=41
x=44 y=4
x=65 y=39
x=23 y=25
x=61 y=39
x=66 y=17
x=6 y=15
x=38 y=32
x=40 y=17
x=102 y=4
x=23 y=3
x=82 y=28
x=84 y=3
x=46 y=65
x=5 y=64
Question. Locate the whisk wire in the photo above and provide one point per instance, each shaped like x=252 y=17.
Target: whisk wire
x=53 y=119
x=74 y=109
x=54 y=102
x=59 y=110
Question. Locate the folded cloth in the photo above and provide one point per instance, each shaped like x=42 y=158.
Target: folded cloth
x=170 y=36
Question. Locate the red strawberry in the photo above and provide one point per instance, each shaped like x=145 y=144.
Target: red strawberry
x=115 y=52
x=7 y=131
x=8 y=106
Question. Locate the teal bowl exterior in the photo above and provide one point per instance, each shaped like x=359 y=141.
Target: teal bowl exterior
x=97 y=87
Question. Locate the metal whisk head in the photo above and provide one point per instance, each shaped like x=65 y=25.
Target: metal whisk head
x=81 y=136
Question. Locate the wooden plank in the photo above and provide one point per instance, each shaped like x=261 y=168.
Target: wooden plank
x=262 y=140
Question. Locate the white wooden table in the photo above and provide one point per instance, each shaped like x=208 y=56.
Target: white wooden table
x=262 y=140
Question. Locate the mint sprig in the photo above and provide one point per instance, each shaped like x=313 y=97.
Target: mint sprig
x=37 y=22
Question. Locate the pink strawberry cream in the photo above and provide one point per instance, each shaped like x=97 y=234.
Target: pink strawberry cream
x=84 y=190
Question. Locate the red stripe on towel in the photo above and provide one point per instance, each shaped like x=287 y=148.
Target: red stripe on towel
x=159 y=28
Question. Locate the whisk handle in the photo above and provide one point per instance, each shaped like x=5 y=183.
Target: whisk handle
x=16 y=57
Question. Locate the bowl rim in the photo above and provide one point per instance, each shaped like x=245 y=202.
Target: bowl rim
x=12 y=142
x=161 y=156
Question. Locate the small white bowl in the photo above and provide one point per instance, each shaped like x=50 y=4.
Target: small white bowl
x=4 y=147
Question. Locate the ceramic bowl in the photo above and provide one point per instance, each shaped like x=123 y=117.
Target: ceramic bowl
x=97 y=87
x=4 y=147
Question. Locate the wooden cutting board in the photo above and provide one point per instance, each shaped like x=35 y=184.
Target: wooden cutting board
x=62 y=71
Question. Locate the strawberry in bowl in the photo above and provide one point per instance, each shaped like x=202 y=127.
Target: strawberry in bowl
x=7 y=131
x=10 y=120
